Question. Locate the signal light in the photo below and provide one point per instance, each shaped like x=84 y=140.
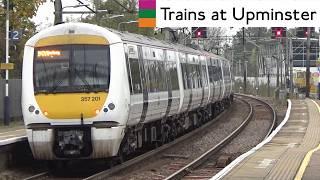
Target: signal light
x=302 y=32
x=278 y=32
x=199 y=32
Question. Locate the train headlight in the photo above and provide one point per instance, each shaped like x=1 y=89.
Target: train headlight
x=97 y=111
x=31 y=108
x=111 y=106
x=45 y=113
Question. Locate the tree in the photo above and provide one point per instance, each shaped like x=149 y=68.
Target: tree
x=20 y=16
x=113 y=8
x=215 y=42
x=255 y=34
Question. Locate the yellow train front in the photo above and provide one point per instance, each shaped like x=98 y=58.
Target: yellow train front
x=71 y=109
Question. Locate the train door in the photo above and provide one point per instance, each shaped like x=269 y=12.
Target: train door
x=228 y=77
x=205 y=83
x=196 y=81
x=155 y=82
x=211 y=79
x=135 y=80
x=225 y=78
x=173 y=82
x=222 y=82
x=185 y=92
x=216 y=79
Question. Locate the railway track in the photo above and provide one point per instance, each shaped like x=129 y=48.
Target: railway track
x=135 y=162
x=181 y=169
x=42 y=175
x=191 y=170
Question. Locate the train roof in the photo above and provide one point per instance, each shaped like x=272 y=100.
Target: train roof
x=140 y=39
x=116 y=36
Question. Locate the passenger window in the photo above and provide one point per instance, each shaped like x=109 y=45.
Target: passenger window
x=134 y=70
x=162 y=76
x=204 y=76
x=174 y=76
x=154 y=70
x=199 y=78
x=147 y=75
x=153 y=74
x=135 y=74
x=211 y=74
x=184 y=75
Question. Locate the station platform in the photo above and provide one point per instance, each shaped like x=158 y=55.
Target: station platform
x=12 y=134
x=290 y=152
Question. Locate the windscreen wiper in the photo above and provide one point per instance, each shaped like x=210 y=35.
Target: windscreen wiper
x=83 y=79
x=55 y=86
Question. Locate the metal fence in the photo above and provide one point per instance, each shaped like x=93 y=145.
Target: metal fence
x=15 y=98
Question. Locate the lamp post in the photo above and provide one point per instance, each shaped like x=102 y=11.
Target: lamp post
x=244 y=62
x=128 y=22
x=6 y=99
x=308 y=65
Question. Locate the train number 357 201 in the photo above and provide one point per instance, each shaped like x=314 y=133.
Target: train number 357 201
x=90 y=98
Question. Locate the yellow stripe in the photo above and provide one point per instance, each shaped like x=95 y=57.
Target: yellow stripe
x=71 y=39
x=71 y=105
x=307 y=158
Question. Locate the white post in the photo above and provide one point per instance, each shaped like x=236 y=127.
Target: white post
x=6 y=99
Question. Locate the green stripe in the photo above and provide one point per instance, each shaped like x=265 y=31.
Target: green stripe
x=147 y=13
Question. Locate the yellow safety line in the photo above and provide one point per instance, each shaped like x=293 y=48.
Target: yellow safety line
x=307 y=158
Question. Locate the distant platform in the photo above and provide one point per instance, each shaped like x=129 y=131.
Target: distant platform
x=292 y=152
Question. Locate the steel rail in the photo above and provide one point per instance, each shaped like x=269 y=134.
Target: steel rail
x=274 y=114
x=204 y=157
x=42 y=175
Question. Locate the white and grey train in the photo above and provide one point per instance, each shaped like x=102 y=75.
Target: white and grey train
x=90 y=92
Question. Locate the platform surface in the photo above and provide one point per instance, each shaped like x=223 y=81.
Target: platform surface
x=11 y=134
x=282 y=157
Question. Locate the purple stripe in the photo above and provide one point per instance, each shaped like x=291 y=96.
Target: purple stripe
x=147 y=4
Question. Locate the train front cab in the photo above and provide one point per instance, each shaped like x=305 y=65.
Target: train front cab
x=71 y=106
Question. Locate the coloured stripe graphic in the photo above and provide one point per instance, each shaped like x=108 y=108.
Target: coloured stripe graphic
x=147 y=13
